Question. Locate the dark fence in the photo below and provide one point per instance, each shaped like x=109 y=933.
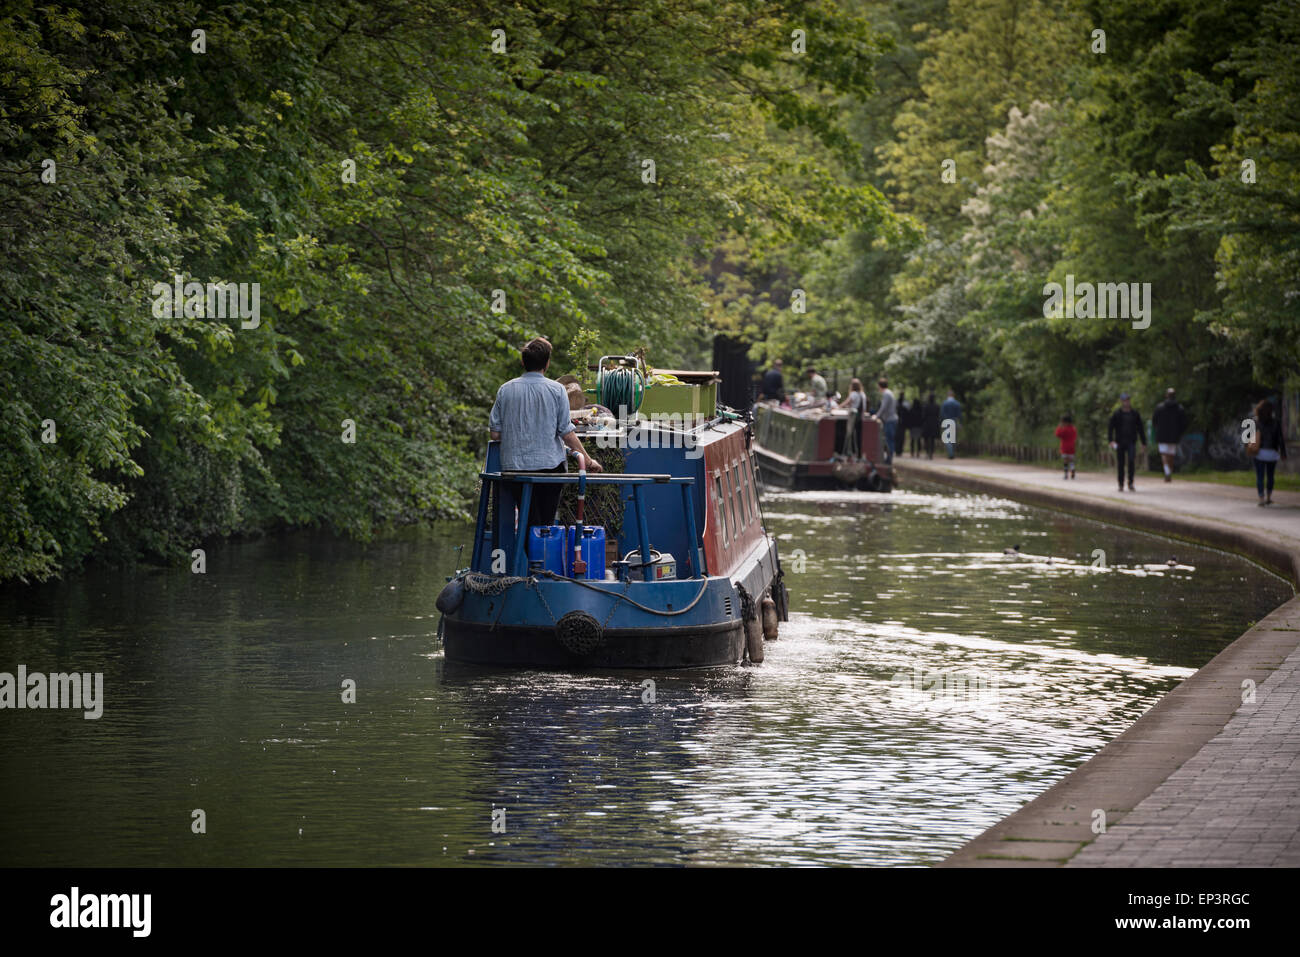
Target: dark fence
x=1084 y=457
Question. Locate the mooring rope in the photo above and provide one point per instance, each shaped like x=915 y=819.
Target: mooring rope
x=636 y=604
x=491 y=586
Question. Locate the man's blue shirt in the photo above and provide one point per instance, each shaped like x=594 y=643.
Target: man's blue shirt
x=531 y=413
x=951 y=409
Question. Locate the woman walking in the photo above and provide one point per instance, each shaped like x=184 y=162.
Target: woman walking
x=1269 y=447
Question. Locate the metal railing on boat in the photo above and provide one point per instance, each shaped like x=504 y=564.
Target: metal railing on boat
x=637 y=482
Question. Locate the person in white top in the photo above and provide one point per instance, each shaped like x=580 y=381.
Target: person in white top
x=855 y=402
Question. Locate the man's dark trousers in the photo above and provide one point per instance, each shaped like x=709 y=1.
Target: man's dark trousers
x=546 y=498
x=1122 y=451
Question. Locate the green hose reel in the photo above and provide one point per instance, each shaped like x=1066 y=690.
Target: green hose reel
x=621 y=384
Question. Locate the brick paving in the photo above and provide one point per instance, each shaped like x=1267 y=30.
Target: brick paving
x=1235 y=803
x=1203 y=779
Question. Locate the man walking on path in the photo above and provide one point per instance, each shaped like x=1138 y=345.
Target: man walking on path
x=910 y=422
x=1170 y=422
x=904 y=420
x=950 y=411
x=930 y=425
x=888 y=414
x=530 y=418
x=1123 y=433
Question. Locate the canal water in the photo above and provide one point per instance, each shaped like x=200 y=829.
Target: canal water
x=926 y=686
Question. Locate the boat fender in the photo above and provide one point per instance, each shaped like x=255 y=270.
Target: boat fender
x=579 y=633
x=451 y=596
x=769 y=619
x=753 y=627
x=754 y=640
x=874 y=481
x=781 y=594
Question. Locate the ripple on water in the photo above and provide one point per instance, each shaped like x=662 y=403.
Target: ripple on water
x=925 y=686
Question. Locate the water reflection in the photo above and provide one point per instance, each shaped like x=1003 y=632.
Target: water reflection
x=927 y=685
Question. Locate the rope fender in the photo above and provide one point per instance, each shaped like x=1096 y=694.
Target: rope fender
x=579 y=633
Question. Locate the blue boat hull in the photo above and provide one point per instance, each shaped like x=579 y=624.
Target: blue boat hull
x=687 y=646
x=685 y=623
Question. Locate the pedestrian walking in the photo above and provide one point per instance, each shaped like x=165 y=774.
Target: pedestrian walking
x=950 y=411
x=1068 y=435
x=904 y=417
x=1170 y=422
x=930 y=424
x=1123 y=432
x=911 y=424
x=1268 y=449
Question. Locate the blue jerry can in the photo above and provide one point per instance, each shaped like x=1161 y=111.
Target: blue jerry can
x=546 y=545
x=593 y=551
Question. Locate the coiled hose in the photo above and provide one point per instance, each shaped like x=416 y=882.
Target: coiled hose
x=621 y=390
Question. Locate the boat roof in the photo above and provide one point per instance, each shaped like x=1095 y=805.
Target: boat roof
x=705 y=430
x=808 y=412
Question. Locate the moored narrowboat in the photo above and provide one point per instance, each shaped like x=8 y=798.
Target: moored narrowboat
x=676 y=570
x=817 y=448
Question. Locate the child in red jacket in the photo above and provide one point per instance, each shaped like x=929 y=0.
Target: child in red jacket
x=1067 y=433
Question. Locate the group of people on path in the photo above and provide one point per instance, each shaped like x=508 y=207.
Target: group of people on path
x=903 y=419
x=899 y=417
x=920 y=424
x=1125 y=430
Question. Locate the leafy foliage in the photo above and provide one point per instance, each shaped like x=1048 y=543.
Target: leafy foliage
x=1117 y=163
x=380 y=168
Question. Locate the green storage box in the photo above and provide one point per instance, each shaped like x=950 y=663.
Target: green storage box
x=697 y=396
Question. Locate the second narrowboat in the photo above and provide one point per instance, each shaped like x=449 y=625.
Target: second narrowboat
x=817 y=448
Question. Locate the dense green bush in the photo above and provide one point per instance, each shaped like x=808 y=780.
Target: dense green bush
x=379 y=168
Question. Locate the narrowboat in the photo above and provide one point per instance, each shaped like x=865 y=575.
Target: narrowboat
x=674 y=569
x=815 y=448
